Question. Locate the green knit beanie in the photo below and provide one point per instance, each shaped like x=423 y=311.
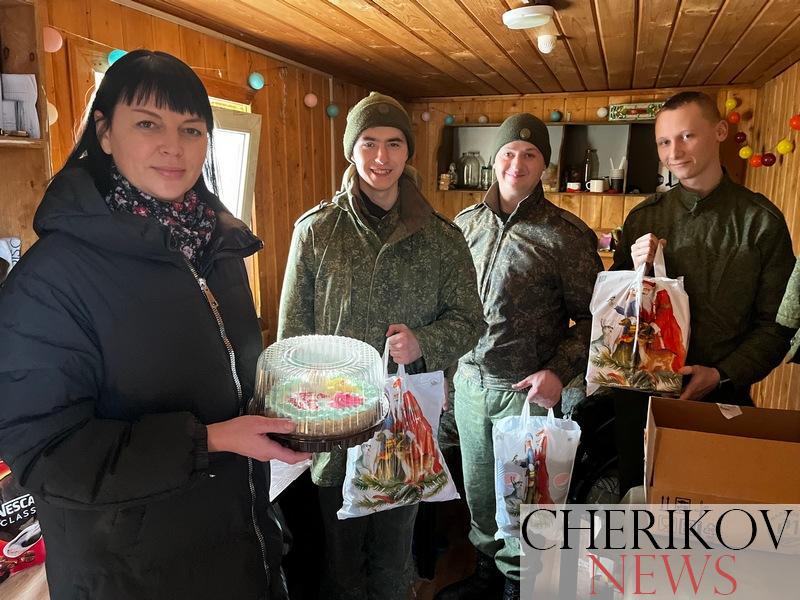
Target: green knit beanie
x=376 y=110
x=524 y=127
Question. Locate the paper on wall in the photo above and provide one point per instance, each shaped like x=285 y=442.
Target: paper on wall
x=22 y=89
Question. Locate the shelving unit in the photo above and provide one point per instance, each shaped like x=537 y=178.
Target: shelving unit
x=569 y=141
x=24 y=162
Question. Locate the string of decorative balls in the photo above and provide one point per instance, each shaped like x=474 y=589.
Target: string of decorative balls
x=746 y=152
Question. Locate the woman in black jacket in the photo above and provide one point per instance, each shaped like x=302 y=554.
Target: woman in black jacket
x=129 y=343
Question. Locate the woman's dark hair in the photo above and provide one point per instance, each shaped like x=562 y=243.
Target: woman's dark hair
x=135 y=78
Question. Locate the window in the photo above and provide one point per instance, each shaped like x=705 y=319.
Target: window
x=236 y=136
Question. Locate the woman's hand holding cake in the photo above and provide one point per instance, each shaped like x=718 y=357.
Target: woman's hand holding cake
x=246 y=436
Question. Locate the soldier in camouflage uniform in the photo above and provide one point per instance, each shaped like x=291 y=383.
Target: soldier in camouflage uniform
x=789 y=312
x=732 y=248
x=536 y=266
x=378 y=262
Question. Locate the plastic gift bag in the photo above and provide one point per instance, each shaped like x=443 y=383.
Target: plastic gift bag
x=640 y=330
x=533 y=460
x=402 y=463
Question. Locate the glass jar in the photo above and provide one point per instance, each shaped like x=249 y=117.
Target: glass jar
x=486 y=177
x=469 y=170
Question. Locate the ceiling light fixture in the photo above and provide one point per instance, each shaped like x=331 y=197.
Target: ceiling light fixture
x=546 y=43
x=527 y=17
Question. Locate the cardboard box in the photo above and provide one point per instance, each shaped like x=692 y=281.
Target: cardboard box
x=695 y=455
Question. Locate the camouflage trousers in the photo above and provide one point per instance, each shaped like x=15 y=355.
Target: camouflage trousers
x=366 y=558
x=477 y=408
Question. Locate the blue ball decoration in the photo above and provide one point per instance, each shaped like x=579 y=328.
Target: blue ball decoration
x=555 y=115
x=449 y=120
x=332 y=110
x=256 y=80
x=115 y=55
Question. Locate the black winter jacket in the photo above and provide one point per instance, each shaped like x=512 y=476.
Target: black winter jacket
x=111 y=365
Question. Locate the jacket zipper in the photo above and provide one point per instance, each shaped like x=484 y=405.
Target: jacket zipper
x=487 y=273
x=214 y=306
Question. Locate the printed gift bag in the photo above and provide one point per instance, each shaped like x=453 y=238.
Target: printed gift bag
x=402 y=463
x=640 y=330
x=533 y=460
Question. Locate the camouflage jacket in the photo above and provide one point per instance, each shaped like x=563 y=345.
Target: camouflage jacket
x=353 y=275
x=789 y=312
x=536 y=271
x=734 y=252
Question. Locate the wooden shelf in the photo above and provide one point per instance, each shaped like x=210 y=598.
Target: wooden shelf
x=598 y=194
x=16 y=142
x=25 y=162
x=558 y=123
x=581 y=194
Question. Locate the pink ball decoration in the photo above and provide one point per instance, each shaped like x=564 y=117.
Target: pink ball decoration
x=310 y=100
x=426 y=116
x=52 y=39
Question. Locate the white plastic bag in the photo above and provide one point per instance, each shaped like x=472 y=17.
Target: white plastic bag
x=640 y=330
x=402 y=463
x=533 y=460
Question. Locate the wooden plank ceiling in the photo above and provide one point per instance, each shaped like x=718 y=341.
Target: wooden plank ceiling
x=424 y=48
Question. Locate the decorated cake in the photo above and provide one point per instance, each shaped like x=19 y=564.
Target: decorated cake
x=330 y=386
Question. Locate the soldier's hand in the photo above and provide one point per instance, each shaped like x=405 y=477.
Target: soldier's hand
x=403 y=345
x=704 y=381
x=544 y=388
x=643 y=250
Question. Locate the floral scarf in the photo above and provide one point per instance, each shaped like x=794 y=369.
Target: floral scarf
x=190 y=222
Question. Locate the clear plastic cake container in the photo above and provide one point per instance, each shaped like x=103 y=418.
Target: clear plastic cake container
x=331 y=387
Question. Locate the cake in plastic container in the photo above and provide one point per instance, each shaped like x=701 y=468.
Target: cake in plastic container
x=330 y=386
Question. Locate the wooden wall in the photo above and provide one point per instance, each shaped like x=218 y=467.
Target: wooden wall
x=581 y=107
x=778 y=100
x=295 y=165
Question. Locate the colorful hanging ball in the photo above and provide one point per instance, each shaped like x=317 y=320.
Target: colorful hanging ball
x=425 y=116
x=332 y=110
x=740 y=137
x=785 y=146
x=731 y=103
x=734 y=117
x=51 y=39
x=255 y=80
x=745 y=152
x=310 y=99
x=555 y=115
x=52 y=113
x=115 y=55
x=755 y=160
x=794 y=122
x=449 y=120
x=768 y=159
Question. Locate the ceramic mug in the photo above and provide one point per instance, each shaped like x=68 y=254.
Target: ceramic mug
x=574 y=186
x=617 y=179
x=596 y=185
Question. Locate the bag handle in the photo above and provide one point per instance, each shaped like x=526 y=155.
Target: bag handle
x=401 y=369
x=526 y=414
x=659 y=267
